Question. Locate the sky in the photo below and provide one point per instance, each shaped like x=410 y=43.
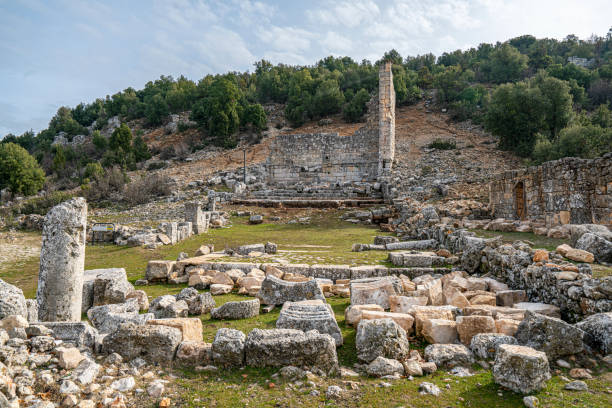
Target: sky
x=62 y=52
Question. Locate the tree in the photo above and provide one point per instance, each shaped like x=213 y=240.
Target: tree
x=121 y=139
x=451 y=82
x=505 y=64
x=141 y=150
x=59 y=160
x=19 y=171
x=256 y=116
x=156 y=110
x=99 y=141
x=328 y=98
x=357 y=107
x=558 y=107
x=516 y=114
x=218 y=112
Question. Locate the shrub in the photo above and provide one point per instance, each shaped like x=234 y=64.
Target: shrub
x=168 y=153
x=93 y=170
x=19 y=171
x=144 y=189
x=106 y=186
x=442 y=144
x=41 y=205
x=156 y=165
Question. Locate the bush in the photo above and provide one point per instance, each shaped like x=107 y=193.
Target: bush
x=19 y=171
x=168 y=153
x=144 y=189
x=93 y=170
x=41 y=205
x=156 y=166
x=442 y=144
x=107 y=186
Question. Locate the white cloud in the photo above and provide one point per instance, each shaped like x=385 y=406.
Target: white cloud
x=337 y=44
x=285 y=38
x=347 y=13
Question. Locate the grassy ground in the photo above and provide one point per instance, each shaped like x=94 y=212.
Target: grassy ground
x=326 y=240
x=539 y=241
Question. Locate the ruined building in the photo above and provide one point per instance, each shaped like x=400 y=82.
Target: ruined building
x=566 y=191
x=365 y=156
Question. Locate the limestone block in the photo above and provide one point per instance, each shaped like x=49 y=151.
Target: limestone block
x=509 y=298
x=404 y=320
x=521 y=369
x=190 y=327
x=421 y=315
x=352 y=314
x=507 y=326
x=468 y=326
x=401 y=304
x=439 y=331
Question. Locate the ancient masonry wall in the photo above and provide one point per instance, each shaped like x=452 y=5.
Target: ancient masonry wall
x=329 y=158
x=386 y=118
x=566 y=191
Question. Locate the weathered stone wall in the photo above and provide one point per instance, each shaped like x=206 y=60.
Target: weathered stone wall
x=570 y=190
x=329 y=158
x=386 y=118
x=323 y=158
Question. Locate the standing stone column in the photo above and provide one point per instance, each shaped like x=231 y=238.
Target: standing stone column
x=62 y=260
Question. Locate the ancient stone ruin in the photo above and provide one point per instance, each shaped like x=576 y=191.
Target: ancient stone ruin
x=62 y=260
x=566 y=191
x=365 y=156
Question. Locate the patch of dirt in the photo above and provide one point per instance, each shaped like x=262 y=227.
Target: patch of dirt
x=18 y=246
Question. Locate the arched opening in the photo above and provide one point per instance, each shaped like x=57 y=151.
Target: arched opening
x=519 y=200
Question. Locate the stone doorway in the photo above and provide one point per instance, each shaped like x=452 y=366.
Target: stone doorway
x=519 y=200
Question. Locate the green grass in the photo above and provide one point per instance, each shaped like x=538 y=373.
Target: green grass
x=331 y=237
x=539 y=241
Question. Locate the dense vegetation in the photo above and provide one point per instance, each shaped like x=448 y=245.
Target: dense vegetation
x=525 y=91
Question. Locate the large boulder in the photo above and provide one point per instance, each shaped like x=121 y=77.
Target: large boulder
x=484 y=345
x=236 y=310
x=598 y=332
x=275 y=291
x=381 y=337
x=439 y=331
x=154 y=344
x=310 y=315
x=553 y=336
x=600 y=247
x=12 y=301
x=159 y=271
x=353 y=313
x=284 y=347
x=228 y=348
x=449 y=355
x=521 y=369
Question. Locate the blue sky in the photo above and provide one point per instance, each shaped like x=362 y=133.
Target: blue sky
x=62 y=52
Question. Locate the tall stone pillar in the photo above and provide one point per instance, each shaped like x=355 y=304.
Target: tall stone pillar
x=386 y=119
x=62 y=260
